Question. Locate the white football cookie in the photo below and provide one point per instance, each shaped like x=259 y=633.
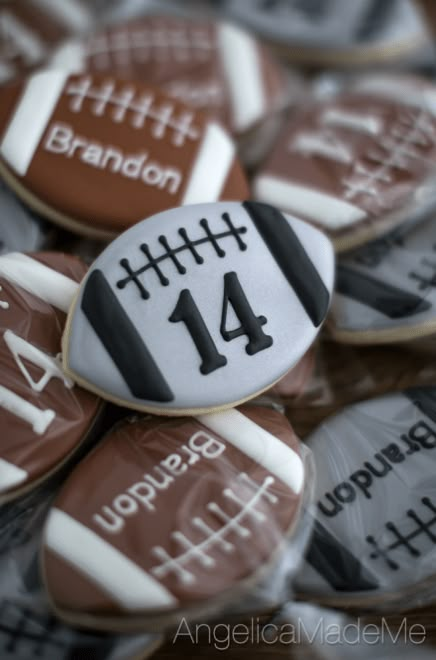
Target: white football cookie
x=338 y=32
x=375 y=494
x=386 y=290
x=199 y=308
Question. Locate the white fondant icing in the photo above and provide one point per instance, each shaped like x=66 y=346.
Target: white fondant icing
x=400 y=90
x=114 y=573
x=30 y=119
x=328 y=211
x=240 y=59
x=370 y=125
x=40 y=280
x=3 y=303
x=39 y=419
x=70 y=56
x=10 y=475
x=71 y=13
x=20 y=348
x=322 y=144
x=264 y=448
x=216 y=153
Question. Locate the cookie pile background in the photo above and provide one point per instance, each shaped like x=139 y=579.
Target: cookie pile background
x=217 y=328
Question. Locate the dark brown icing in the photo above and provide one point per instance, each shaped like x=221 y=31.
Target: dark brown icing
x=138 y=448
x=41 y=325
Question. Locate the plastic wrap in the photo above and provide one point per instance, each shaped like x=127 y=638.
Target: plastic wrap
x=28 y=628
x=212 y=523
x=385 y=291
x=314 y=632
x=374 y=543
x=357 y=164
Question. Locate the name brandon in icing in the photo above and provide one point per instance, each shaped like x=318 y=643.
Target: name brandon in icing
x=420 y=436
x=61 y=139
x=141 y=494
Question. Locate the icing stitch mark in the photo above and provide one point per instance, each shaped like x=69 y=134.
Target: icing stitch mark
x=171 y=253
x=215 y=537
x=140 y=109
x=404 y=143
x=159 y=44
x=422 y=527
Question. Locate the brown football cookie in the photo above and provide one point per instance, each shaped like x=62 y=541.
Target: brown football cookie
x=188 y=514
x=44 y=418
x=212 y=66
x=360 y=163
x=96 y=154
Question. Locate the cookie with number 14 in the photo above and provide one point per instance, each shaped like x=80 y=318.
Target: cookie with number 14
x=199 y=308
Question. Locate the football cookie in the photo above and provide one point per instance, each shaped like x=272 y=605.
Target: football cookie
x=189 y=515
x=359 y=164
x=29 y=29
x=29 y=629
x=338 y=32
x=212 y=66
x=44 y=418
x=375 y=493
x=199 y=308
x=385 y=291
x=96 y=154
x=19 y=230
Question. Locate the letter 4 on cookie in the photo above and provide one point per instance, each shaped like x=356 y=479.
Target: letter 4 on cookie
x=199 y=308
x=43 y=416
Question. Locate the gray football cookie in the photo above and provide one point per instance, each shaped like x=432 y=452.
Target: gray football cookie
x=20 y=231
x=341 y=31
x=199 y=308
x=386 y=290
x=375 y=501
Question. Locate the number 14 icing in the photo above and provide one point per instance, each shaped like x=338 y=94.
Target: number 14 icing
x=199 y=308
